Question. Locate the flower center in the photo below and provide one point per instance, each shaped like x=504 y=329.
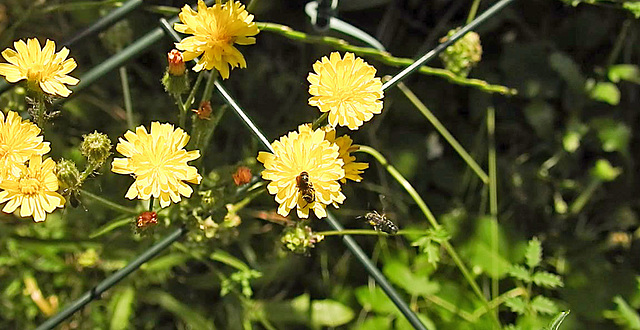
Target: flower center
x=35 y=72
x=29 y=186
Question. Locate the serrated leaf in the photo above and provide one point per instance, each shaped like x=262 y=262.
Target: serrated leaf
x=543 y=305
x=516 y=304
x=403 y=324
x=627 y=72
x=330 y=313
x=433 y=253
x=533 y=253
x=625 y=315
x=520 y=273
x=374 y=299
x=557 y=321
x=401 y=275
x=547 y=280
x=605 y=92
x=439 y=235
x=122 y=308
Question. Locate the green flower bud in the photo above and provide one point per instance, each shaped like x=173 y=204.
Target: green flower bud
x=175 y=79
x=96 y=147
x=463 y=55
x=300 y=239
x=68 y=174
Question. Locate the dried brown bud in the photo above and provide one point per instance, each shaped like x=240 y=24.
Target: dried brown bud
x=242 y=176
x=204 y=111
x=147 y=219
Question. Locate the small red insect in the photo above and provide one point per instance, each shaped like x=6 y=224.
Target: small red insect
x=147 y=219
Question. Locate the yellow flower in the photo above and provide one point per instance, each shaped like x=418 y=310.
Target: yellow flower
x=19 y=140
x=42 y=68
x=352 y=169
x=33 y=189
x=158 y=162
x=346 y=88
x=215 y=29
x=304 y=151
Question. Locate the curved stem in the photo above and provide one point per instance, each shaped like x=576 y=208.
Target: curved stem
x=108 y=203
x=473 y=11
x=350 y=232
x=430 y=217
x=126 y=94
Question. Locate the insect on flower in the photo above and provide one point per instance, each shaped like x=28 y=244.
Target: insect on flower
x=380 y=222
x=306 y=187
x=147 y=219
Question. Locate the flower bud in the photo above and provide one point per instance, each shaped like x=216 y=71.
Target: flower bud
x=300 y=239
x=204 y=110
x=242 y=176
x=96 y=147
x=68 y=174
x=176 y=63
x=463 y=55
x=175 y=79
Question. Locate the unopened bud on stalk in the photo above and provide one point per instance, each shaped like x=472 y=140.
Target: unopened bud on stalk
x=463 y=55
x=68 y=174
x=175 y=79
x=300 y=239
x=96 y=147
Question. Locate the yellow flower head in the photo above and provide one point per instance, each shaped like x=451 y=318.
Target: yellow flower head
x=33 y=189
x=352 y=169
x=347 y=88
x=44 y=69
x=158 y=162
x=19 y=140
x=215 y=29
x=298 y=152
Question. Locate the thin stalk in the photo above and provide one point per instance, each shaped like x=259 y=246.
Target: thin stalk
x=473 y=11
x=444 y=132
x=183 y=111
x=584 y=197
x=318 y=122
x=493 y=199
x=383 y=57
x=126 y=91
x=208 y=88
x=493 y=304
x=430 y=217
x=454 y=309
x=108 y=203
x=151 y=204
x=192 y=94
x=351 y=232
x=112 y=280
x=617 y=47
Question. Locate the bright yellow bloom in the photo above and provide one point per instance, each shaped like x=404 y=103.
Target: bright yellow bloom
x=42 y=68
x=19 y=140
x=304 y=151
x=352 y=169
x=158 y=162
x=33 y=189
x=346 y=88
x=215 y=29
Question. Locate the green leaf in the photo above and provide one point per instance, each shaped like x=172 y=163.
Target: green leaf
x=122 y=308
x=604 y=171
x=295 y=310
x=533 y=253
x=516 y=304
x=633 y=7
x=627 y=72
x=401 y=275
x=403 y=324
x=624 y=315
x=330 y=313
x=432 y=251
x=567 y=68
x=520 y=273
x=439 y=235
x=375 y=299
x=165 y=263
x=573 y=136
x=613 y=135
x=375 y=323
x=547 y=280
x=557 y=321
x=605 y=92
x=111 y=226
x=543 y=305
x=186 y=313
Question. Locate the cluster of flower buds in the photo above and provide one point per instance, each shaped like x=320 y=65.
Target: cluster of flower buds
x=300 y=239
x=463 y=55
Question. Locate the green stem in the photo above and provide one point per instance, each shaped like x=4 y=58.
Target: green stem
x=40 y=108
x=151 y=204
x=473 y=11
x=208 y=88
x=444 y=132
x=430 y=217
x=109 y=204
x=126 y=91
x=350 y=232
x=192 y=94
x=318 y=122
x=584 y=197
x=183 y=111
x=241 y=204
x=452 y=308
x=493 y=198
x=493 y=304
x=617 y=47
x=383 y=57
